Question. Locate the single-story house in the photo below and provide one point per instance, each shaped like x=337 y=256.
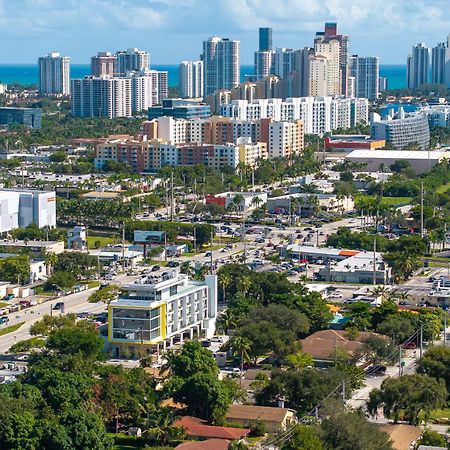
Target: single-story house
x=403 y=437
x=274 y=418
x=209 y=444
x=199 y=429
x=322 y=345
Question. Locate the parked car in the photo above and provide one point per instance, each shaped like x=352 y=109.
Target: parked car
x=206 y=343
x=4 y=320
x=156 y=268
x=173 y=264
x=58 y=306
x=409 y=345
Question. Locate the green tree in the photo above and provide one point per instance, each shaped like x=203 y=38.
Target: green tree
x=408 y=395
x=436 y=363
x=15 y=269
x=159 y=426
x=206 y=397
x=433 y=439
x=49 y=323
x=105 y=295
x=304 y=438
x=83 y=338
x=60 y=280
x=342 y=430
x=191 y=359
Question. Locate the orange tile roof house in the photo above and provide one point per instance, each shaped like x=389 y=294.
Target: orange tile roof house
x=274 y=418
x=209 y=444
x=199 y=429
x=403 y=437
x=322 y=345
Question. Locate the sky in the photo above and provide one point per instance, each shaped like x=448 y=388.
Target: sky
x=173 y=30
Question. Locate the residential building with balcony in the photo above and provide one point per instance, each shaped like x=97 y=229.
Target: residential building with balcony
x=162 y=309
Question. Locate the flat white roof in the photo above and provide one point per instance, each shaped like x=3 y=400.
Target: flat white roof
x=397 y=154
x=306 y=249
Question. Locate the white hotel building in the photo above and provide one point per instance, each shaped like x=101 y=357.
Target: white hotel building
x=160 y=310
x=319 y=114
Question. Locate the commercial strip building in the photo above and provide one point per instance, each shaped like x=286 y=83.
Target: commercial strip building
x=402 y=130
x=345 y=143
x=29 y=117
x=345 y=266
x=160 y=310
x=305 y=204
x=54 y=74
x=420 y=161
x=319 y=114
x=248 y=200
x=22 y=207
x=118 y=96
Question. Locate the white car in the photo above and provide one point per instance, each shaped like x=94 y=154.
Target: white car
x=335 y=295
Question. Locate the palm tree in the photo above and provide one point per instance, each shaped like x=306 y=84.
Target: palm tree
x=241 y=347
x=159 y=426
x=224 y=281
x=50 y=259
x=237 y=200
x=187 y=269
x=256 y=201
x=226 y=321
x=244 y=283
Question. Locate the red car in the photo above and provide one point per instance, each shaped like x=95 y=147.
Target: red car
x=410 y=345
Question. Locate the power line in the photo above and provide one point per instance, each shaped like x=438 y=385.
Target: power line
x=286 y=435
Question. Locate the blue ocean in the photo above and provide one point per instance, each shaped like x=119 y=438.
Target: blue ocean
x=27 y=74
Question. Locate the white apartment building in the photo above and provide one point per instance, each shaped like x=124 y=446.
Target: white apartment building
x=221 y=61
x=366 y=73
x=54 y=74
x=131 y=60
x=118 y=96
x=107 y=97
x=418 y=65
x=319 y=114
x=263 y=64
x=191 y=79
x=160 y=310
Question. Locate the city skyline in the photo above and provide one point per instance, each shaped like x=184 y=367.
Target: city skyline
x=81 y=29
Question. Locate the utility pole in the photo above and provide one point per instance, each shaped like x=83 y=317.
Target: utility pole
x=421 y=342
x=343 y=391
x=195 y=240
x=374 y=280
x=171 y=198
x=421 y=211
x=243 y=237
x=212 y=242
x=445 y=327
x=165 y=246
x=123 y=245
x=400 y=360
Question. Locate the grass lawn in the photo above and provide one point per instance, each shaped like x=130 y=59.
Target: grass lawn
x=443 y=188
x=11 y=329
x=103 y=240
x=3 y=304
x=437 y=414
x=396 y=201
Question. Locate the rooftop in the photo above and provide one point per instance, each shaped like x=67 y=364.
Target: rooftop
x=397 y=154
x=251 y=412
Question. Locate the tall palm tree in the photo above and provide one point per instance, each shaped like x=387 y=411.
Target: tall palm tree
x=50 y=259
x=224 y=282
x=244 y=283
x=237 y=200
x=241 y=347
x=226 y=321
